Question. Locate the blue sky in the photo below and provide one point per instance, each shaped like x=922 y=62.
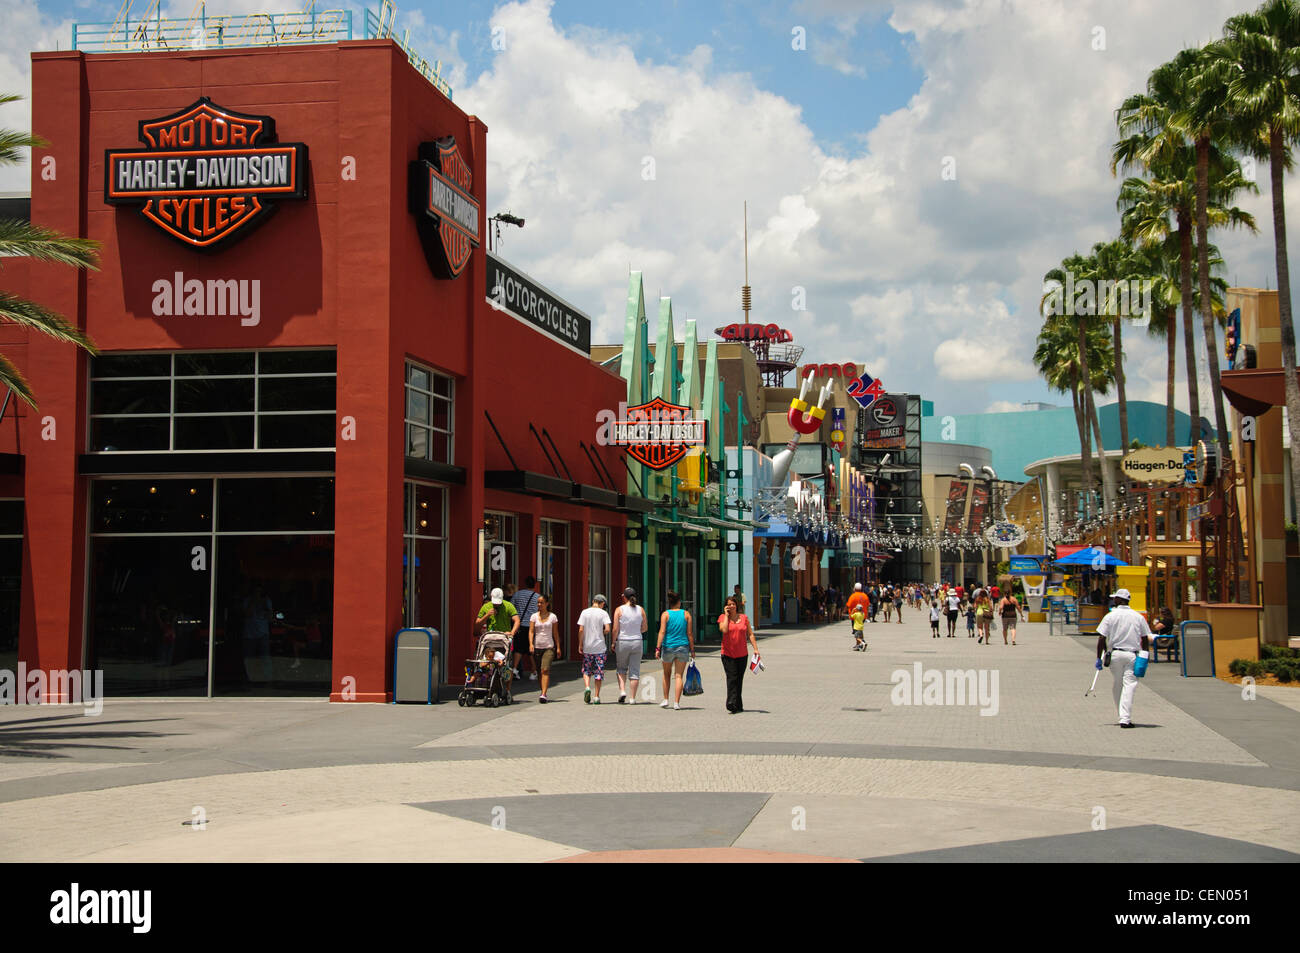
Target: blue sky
x=932 y=282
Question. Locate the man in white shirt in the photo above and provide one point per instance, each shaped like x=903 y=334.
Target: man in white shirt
x=594 y=623
x=1124 y=632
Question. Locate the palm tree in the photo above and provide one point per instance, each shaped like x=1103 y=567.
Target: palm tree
x=1054 y=304
x=1125 y=272
x=1263 y=92
x=20 y=239
x=1065 y=367
x=1208 y=120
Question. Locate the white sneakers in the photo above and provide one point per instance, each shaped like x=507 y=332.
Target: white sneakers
x=664 y=703
x=676 y=707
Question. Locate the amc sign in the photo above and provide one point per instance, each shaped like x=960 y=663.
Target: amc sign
x=755 y=332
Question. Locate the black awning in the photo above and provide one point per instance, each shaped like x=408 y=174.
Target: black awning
x=234 y=461
x=526 y=481
x=594 y=496
x=438 y=472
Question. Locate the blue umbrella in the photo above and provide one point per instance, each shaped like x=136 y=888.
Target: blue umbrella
x=1092 y=557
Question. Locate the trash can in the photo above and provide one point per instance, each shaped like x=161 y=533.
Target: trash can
x=1197 y=639
x=417 y=661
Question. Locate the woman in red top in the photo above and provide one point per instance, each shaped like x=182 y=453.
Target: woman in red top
x=736 y=630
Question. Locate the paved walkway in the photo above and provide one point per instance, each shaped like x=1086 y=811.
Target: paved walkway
x=822 y=765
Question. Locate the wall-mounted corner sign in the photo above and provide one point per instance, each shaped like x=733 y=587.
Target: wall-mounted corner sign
x=447 y=214
x=207 y=175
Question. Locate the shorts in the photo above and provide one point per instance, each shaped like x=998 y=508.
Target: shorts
x=544 y=657
x=1009 y=622
x=627 y=658
x=952 y=615
x=934 y=624
x=682 y=655
x=593 y=664
x=520 y=643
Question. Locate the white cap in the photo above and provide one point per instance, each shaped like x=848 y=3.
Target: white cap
x=1123 y=594
x=497 y=596
x=857 y=586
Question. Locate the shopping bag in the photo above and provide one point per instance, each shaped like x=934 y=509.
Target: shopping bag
x=1140 y=664
x=694 y=684
x=756 y=663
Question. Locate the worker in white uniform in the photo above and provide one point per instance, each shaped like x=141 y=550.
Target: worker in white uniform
x=1123 y=632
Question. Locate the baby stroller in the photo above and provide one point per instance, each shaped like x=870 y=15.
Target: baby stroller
x=488 y=674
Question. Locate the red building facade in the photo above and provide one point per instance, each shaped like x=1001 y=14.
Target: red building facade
x=284 y=452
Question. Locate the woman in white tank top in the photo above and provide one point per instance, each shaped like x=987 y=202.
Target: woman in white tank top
x=630 y=623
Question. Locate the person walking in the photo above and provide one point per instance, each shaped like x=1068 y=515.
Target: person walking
x=898 y=604
x=954 y=607
x=1010 y=609
x=983 y=614
x=524 y=601
x=970 y=619
x=887 y=600
x=736 y=632
x=594 y=623
x=934 y=619
x=859 y=642
x=630 y=624
x=1122 y=633
x=542 y=644
x=857 y=598
x=676 y=644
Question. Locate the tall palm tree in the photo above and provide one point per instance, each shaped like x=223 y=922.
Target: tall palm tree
x=1126 y=272
x=1208 y=120
x=1063 y=364
x=20 y=239
x=1263 y=91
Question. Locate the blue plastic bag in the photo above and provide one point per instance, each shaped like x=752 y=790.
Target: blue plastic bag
x=1140 y=664
x=694 y=685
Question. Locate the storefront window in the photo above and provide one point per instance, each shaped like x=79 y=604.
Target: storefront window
x=237 y=400
x=429 y=414
x=502 y=541
x=598 y=573
x=553 y=575
x=424 y=558
x=11 y=577
x=251 y=590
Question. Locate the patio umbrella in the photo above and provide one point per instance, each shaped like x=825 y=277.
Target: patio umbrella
x=1091 y=557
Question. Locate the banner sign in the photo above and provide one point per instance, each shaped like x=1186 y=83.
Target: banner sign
x=1154 y=465
x=510 y=290
x=658 y=433
x=447 y=214
x=206 y=175
x=978 y=502
x=956 y=505
x=884 y=423
x=1025 y=565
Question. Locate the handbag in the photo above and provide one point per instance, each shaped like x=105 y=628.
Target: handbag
x=693 y=683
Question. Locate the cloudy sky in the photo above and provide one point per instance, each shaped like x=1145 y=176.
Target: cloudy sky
x=912 y=169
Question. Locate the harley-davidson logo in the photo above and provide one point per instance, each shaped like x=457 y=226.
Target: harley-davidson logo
x=658 y=433
x=207 y=175
x=447 y=213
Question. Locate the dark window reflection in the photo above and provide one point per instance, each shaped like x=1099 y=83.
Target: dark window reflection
x=151 y=506
x=130 y=397
x=131 y=365
x=297 y=362
x=130 y=433
x=219 y=363
x=216 y=395
x=214 y=433
x=296 y=393
x=11 y=578
x=295 y=431
x=295 y=503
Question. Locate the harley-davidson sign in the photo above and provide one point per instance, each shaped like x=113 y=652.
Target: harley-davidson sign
x=443 y=201
x=658 y=433
x=206 y=175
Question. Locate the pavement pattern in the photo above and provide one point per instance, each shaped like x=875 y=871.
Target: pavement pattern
x=822 y=765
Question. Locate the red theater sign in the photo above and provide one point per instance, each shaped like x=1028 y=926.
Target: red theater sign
x=658 y=433
x=754 y=332
x=206 y=175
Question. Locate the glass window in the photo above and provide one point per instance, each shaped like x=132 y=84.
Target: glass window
x=261 y=505
x=250 y=399
x=424 y=558
x=500 y=531
x=11 y=580
x=151 y=506
x=598 y=578
x=429 y=409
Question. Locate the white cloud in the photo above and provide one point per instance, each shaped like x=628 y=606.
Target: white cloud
x=1004 y=407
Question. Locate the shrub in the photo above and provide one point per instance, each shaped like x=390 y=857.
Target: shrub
x=1255 y=669
x=1237 y=666
x=1286 y=675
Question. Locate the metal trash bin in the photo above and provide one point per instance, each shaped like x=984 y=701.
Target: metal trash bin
x=1197 y=649
x=417 y=662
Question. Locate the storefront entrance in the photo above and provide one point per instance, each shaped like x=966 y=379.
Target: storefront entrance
x=212 y=585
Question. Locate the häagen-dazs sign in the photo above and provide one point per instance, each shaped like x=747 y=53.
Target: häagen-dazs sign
x=1154 y=465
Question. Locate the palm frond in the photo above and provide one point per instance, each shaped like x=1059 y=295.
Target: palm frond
x=26 y=240
x=13 y=379
x=29 y=314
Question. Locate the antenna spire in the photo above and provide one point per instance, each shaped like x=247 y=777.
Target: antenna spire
x=745 y=297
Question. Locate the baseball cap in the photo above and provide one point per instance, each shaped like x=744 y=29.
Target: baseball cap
x=497 y=596
x=1123 y=594
x=857 y=587
x=601 y=599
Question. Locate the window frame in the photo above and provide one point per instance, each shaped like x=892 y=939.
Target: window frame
x=432 y=396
